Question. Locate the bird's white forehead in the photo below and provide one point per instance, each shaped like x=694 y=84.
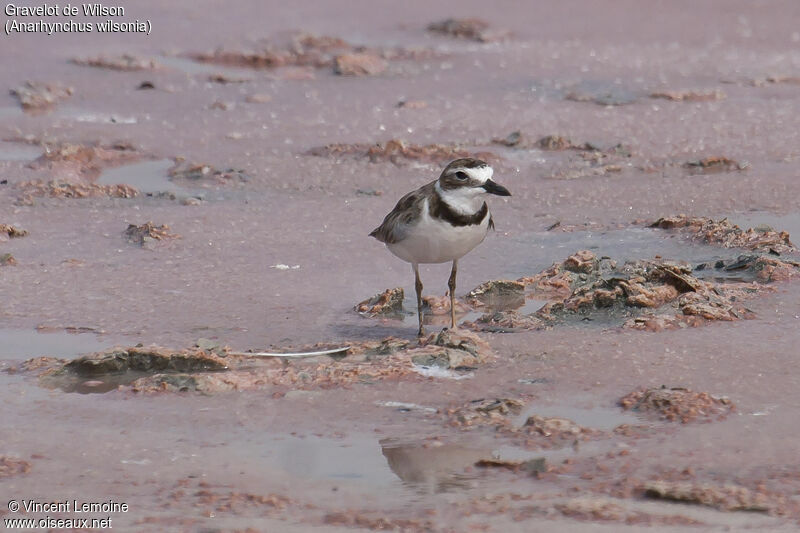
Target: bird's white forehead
x=481 y=174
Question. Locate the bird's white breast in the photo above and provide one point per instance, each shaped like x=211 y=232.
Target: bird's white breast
x=435 y=241
x=464 y=200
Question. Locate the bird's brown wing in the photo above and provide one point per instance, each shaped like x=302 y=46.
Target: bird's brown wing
x=404 y=215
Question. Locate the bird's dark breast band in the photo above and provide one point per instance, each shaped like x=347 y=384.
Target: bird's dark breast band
x=439 y=209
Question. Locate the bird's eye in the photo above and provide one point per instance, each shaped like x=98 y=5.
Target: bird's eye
x=461 y=175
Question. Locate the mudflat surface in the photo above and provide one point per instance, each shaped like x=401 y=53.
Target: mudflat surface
x=266 y=248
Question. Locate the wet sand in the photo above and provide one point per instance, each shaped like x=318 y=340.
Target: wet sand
x=341 y=458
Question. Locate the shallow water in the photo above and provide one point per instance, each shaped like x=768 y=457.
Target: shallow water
x=146 y=176
x=530 y=253
x=433 y=466
x=10 y=151
x=601 y=92
x=786 y=222
x=10 y=112
x=99 y=385
x=77 y=114
x=596 y=417
x=354 y=459
x=192 y=67
x=21 y=344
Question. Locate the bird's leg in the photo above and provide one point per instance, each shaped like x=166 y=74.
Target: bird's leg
x=452 y=285
x=418 y=287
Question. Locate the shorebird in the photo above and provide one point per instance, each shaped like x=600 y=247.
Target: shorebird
x=441 y=221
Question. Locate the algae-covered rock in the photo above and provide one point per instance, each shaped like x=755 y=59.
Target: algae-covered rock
x=498 y=294
x=725 y=233
x=452 y=349
x=145 y=360
x=445 y=358
x=388 y=302
x=677 y=404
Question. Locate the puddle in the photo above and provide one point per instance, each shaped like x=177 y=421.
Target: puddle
x=621 y=245
x=398 y=470
x=82 y=385
x=356 y=458
x=531 y=306
x=151 y=178
x=390 y=465
x=433 y=466
x=22 y=344
x=438 y=372
x=189 y=66
x=186 y=65
x=10 y=112
x=541 y=249
x=552 y=456
x=602 y=418
x=409 y=315
x=81 y=115
x=178 y=371
x=17 y=345
x=147 y=176
x=472 y=316
x=18 y=152
x=790 y=222
x=530 y=253
x=601 y=93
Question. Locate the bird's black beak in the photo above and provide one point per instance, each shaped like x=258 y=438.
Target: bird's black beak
x=493 y=188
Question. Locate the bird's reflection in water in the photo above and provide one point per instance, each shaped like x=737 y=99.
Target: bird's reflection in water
x=432 y=466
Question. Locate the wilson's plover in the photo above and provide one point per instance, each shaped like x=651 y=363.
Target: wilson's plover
x=441 y=222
